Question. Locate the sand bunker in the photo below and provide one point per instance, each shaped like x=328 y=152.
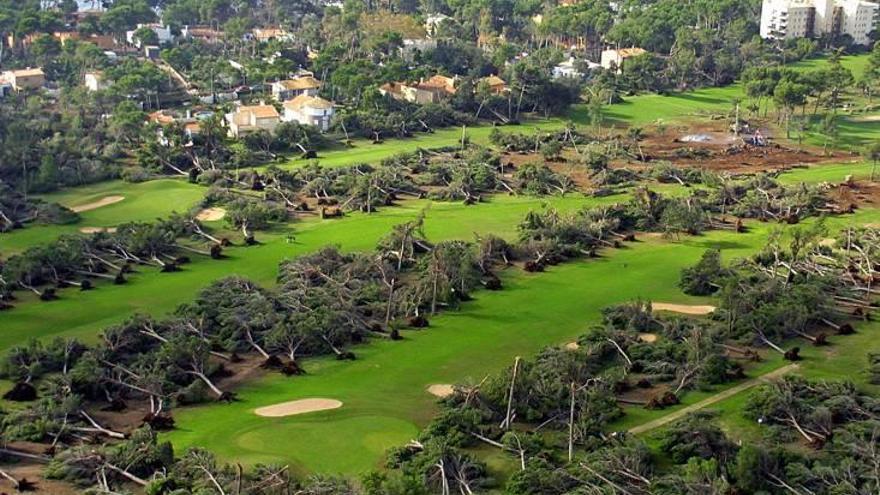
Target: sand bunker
x=95 y=230
x=650 y=338
x=441 y=390
x=572 y=346
x=295 y=407
x=828 y=242
x=866 y=118
x=109 y=200
x=211 y=215
x=685 y=309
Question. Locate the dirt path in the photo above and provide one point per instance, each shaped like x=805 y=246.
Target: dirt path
x=669 y=418
x=94 y=205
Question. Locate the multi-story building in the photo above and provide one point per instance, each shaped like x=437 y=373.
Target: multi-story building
x=248 y=119
x=288 y=89
x=309 y=110
x=790 y=19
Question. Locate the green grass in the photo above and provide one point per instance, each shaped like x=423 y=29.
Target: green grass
x=143 y=201
x=84 y=314
x=845 y=359
x=384 y=390
x=364 y=151
x=387 y=383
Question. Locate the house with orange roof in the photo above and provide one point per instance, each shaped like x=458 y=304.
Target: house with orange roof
x=442 y=85
x=494 y=84
x=251 y=118
x=270 y=33
x=412 y=93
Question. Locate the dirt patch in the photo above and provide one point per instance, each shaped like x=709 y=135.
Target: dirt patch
x=685 y=309
x=33 y=473
x=295 y=407
x=829 y=242
x=94 y=205
x=854 y=194
x=441 y=390
x=710 y=146
x=211 y=214
x=95 y=230
x=572 y=346
x=649 y=338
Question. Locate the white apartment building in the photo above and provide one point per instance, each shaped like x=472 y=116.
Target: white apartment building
x=789 y=19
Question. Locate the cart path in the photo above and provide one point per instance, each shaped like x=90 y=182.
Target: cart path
x=765 y=378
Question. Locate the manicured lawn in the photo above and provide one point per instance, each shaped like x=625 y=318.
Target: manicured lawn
x=143 y=201
x=84 y=314
x=531 y=312
x=845 y=359
x=364 y=151
x=385 y=402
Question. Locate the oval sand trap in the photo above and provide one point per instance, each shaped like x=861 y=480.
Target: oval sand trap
x=685 y=309
x=572 y=346
x=441 y=390
x=95 y=230
x=211 y=215
x=109 y=200
x=295 y=407
x=648 y=338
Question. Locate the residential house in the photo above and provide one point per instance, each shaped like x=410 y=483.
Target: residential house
x=566 y=69
x=247 y=119
x=164 y=118
x=407 y=92
x=206 y=34
x=431 y=90
x=309 y=110
x=271 y=33
x=95 y=81
x=25 y=79
x=163 y=33
x=790 y=19
x=617 y=58
x=494 y=84
x=291 y=88
x=442 y=85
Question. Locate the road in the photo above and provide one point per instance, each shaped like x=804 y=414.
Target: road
x=669 y=418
